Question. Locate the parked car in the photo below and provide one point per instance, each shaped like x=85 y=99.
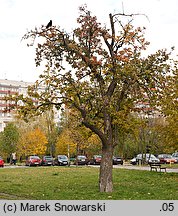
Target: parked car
x=166 y=158
x=1 y=162
x=61 y=160
x=150 y=158
x=117 y=160
x=47 y=161
x=33 y=160
x=175 y=156
x=95 y=160
x=81 y=159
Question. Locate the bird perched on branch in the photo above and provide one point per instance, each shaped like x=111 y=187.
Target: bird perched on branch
x=49 y=24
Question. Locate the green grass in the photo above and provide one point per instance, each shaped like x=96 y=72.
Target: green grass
x=71 y=183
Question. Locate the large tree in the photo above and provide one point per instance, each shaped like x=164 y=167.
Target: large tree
x=98 y=70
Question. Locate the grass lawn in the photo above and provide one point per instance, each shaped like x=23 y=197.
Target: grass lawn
x=71 y=183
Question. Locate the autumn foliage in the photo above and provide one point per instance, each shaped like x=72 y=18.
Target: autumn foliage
x=99 y=71
x=32 y=143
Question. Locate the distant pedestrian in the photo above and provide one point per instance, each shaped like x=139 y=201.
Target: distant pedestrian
x=14 y=158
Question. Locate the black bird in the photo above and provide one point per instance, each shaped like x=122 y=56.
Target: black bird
x=49 y=24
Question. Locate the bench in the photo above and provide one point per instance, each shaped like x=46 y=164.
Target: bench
x=156 y=167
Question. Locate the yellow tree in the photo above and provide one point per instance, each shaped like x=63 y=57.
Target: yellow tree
x=76 y=140
x=33 y=142
x=94 y=145
x=65 y=143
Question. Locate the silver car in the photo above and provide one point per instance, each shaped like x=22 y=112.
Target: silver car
x=175 y=156
x=150 y=158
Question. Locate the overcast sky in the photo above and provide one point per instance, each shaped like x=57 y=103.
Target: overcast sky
x=16 y=16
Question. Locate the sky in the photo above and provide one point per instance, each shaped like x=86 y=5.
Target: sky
x=18 y=16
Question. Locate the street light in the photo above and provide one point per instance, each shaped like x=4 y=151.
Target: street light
x=68 y=154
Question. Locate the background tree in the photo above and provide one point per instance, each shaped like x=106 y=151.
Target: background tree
x=127 y=136
x=75 y=136
x=100 y=72
x=170 y=110
x=9 y=139
x=169 y=134
x=51 y=131
x=32 y=143
x=45 y=123
x=94 y=145
x=65 y=144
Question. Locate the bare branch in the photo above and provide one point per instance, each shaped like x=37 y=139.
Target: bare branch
x=131 y=15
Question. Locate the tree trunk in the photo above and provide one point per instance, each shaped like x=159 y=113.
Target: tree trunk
x=105 y=178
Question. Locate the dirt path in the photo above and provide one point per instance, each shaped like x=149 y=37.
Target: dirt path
x=5 y=196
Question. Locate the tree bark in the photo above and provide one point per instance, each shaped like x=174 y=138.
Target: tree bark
x=105 y=178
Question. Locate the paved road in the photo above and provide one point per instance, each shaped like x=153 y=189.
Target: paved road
x=132 y=167
x=169 y=169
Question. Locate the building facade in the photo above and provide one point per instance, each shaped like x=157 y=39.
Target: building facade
x=9 y=88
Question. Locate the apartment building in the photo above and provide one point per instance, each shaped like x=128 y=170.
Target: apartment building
x=12 y=87
x=9 y=88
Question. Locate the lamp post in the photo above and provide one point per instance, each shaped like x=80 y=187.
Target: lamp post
x=68 y=146
x=68 y=154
